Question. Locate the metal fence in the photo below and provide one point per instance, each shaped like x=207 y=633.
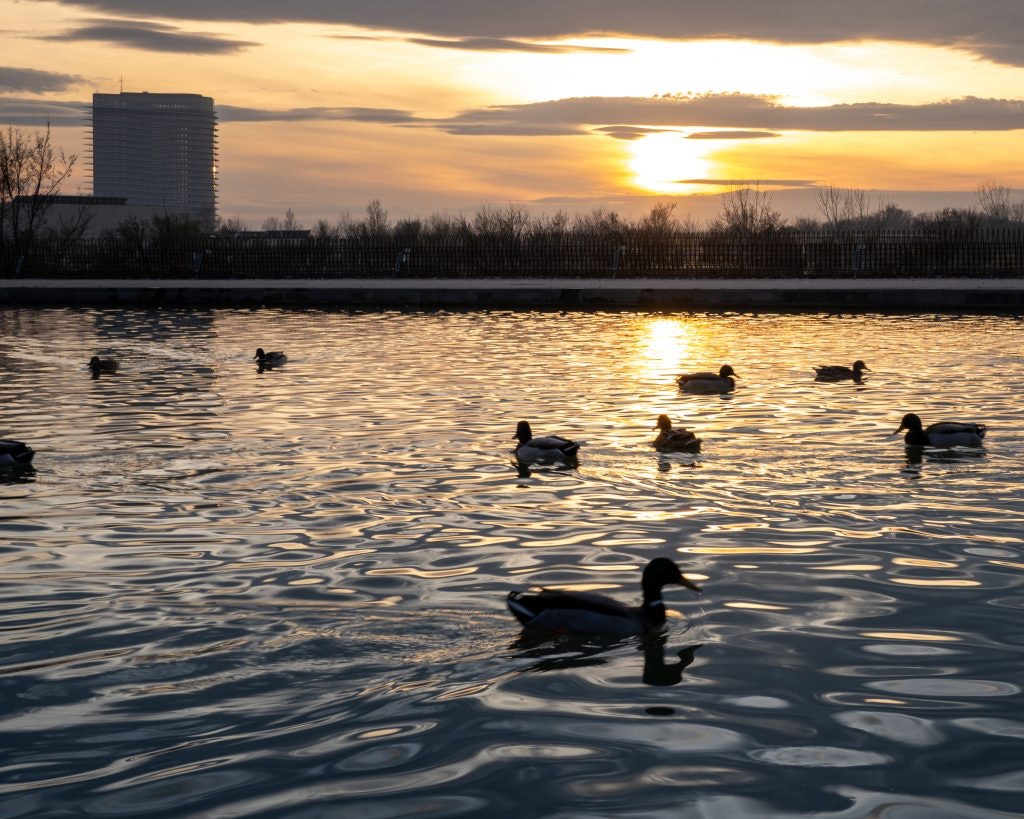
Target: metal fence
x=988 y=253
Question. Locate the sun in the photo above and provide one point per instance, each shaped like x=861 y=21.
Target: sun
x=659 y=161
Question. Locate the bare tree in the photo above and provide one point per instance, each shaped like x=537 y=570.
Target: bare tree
x=31 y=173
x=994 y=201
x=231 y=225
x=660 y=223
x=376 y=223
x=289 y=222
x=843 y=208
x=748 y=211
x=505 y=223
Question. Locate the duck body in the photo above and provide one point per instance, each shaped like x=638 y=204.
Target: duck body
x=269 y=359
x=15 y=453
x=551 y=610
x=708 y=383
x=837 y=372
x=942 y=435
x=102 y=365
x=544 y=448
x=672 y=439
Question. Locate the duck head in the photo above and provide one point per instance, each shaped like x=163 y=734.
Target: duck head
x=664 y=423
x=660 y=572
x=859 y=365
x=523 y=432
x=727 y=371
x=910 y=422
x=260 y=353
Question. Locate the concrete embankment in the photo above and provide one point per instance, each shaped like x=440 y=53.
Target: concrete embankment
x=848 y=295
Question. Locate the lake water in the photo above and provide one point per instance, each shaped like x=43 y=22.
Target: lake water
x=234 y=593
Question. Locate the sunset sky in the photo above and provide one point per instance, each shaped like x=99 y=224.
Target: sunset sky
x=447 y=105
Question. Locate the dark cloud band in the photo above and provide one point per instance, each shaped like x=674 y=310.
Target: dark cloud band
x=993 y=29
x=40 y=113
x=33 y=81
x=151 y=37
x=728 y=116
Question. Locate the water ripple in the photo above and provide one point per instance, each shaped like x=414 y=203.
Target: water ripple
x=281 y=593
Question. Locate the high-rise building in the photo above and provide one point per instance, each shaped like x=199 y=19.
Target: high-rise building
x=156 y=149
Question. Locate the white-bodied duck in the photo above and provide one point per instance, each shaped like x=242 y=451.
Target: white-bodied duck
x=837 y=372
x=589 y=613
x=269 y=359
x=674 y=439
x=708 y=383
x=546 y=448
x=102 y=365
x=15 y=453
x=942 y=435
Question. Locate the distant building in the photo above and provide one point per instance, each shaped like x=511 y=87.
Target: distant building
x=156 y=149
x=92 y=216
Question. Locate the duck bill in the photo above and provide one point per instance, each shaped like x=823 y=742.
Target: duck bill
x=897 y=432
x=691 y=586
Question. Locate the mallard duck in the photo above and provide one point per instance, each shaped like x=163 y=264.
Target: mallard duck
x=674 y=440
x=269 y=359
x=102 y=365
x=837 y=372
x=587 y=612
x=15 y=453
x=546 y=448
x=942 y=435
x=708 y=383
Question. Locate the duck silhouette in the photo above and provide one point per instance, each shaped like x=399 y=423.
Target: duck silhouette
x=837 y=372
x=708 y=383
x=15 y=453
x=547 y=448
x=586 y=612
x=674 y=439
x=942 y=435
x=102 y=365
x=269 y=359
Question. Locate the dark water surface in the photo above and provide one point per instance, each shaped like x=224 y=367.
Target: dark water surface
x=236 y=593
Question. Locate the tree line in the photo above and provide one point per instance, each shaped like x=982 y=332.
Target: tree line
x=32 y=171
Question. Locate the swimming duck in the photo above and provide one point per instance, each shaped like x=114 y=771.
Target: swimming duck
x=943 y=435
x=546 y=448
x=102 y=365
x=15 y=453
x=837 y=372
x=587 y=612
x=708 y=383
x=674 y=440
x=269 y=359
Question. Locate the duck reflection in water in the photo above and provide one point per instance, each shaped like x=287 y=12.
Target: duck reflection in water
x=571 y=651
x=656 y=670
x=918 y=455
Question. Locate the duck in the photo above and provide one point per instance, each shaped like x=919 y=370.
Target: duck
x=674 y=440
x=15 y=453
x=942 y=435
x=837 y=372
x=551 y=610
x=545 y=448
x=102 y=365
x=708 y=383
x=271 y=358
